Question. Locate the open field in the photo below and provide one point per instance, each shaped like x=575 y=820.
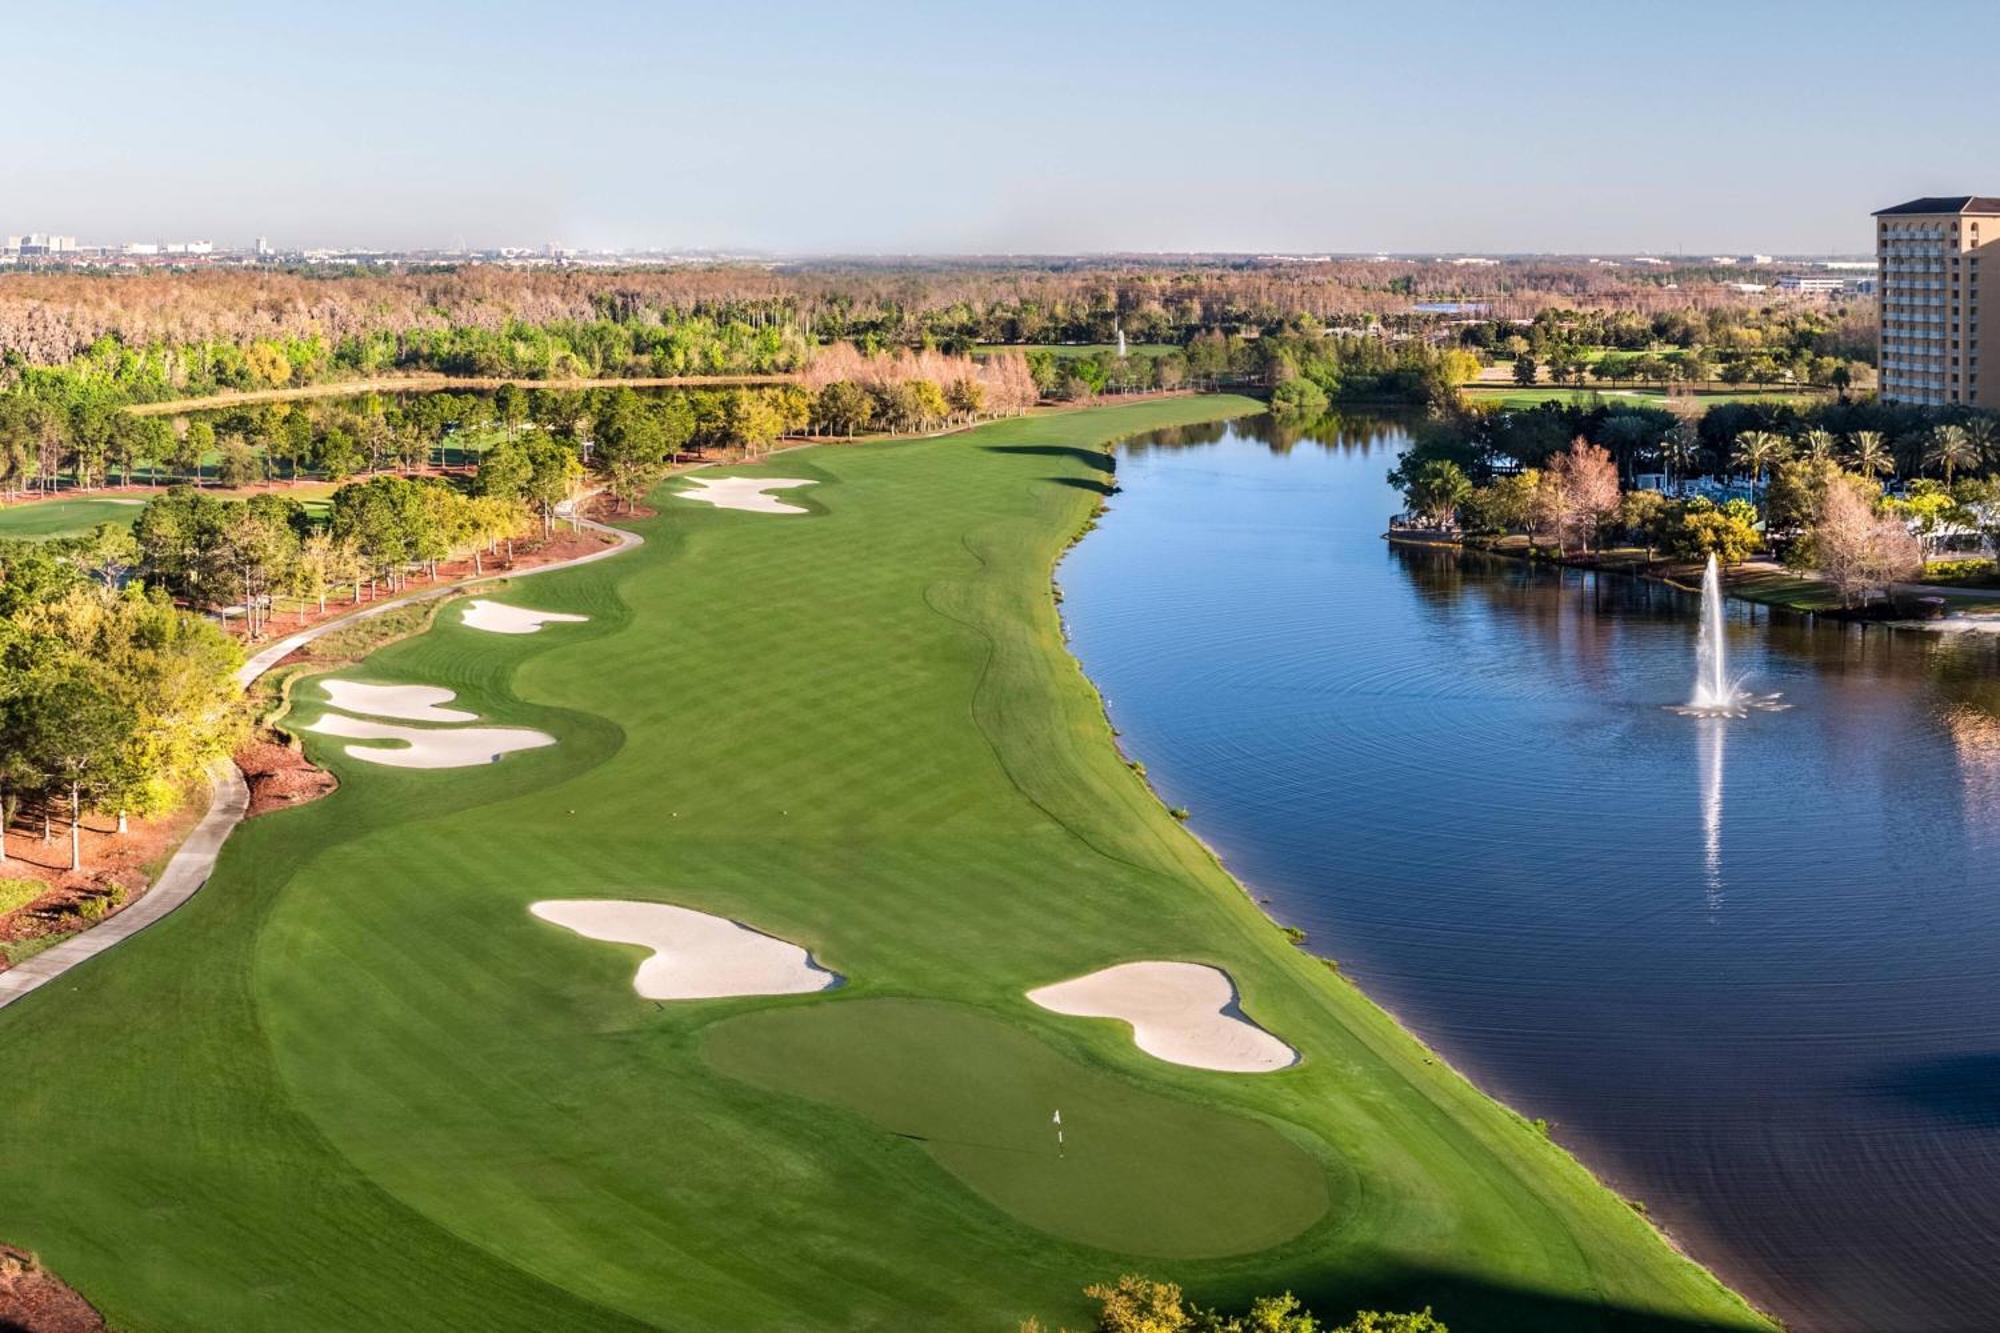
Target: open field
x=356 y=1084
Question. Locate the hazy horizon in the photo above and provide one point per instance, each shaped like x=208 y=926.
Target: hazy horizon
x=1038 y=130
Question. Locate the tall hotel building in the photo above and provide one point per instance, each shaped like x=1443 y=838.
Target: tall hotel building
x=1927 y=255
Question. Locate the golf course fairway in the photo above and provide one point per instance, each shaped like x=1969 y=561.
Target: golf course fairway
x=356 y=1084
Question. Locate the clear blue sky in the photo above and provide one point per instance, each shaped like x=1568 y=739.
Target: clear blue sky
x=1024 y=126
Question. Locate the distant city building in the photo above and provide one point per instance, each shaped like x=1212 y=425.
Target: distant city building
x=1804 y=286
x=1748 y=288
x=1927 y=255
x=264 y=250
x=142 y=247
x=41 y=243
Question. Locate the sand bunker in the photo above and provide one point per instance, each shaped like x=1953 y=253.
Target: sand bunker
x=500 y=618
x=418 y=703
x=1181 y=1012
x=745 y=493
x=459 y=747
x=695 y=956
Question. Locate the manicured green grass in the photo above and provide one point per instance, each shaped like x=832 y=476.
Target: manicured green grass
x=42 y=519
x=38 y=520
x=1069 y=350
x=1138 y=1172
x=355 y=1084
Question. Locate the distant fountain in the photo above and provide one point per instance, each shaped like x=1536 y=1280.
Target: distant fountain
x=1121 y=342
x=1715 y=694
x=1712 y=687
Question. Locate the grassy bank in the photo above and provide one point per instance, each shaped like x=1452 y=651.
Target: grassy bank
x=354 y=1084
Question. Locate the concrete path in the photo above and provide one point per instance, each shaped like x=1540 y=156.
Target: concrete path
x=190 y=867
x=186 y=872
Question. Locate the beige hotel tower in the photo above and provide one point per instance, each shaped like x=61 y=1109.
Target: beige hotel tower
x=1927 y=256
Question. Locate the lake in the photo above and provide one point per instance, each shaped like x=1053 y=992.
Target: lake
x=1749 y=968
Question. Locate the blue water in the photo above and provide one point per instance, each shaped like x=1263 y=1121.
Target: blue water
x=1750 y=968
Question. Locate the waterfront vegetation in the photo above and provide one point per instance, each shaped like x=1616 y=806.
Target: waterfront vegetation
x=907 y=774
x=1857 y=497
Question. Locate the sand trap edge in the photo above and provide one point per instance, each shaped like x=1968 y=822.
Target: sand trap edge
x=682 y=963
x=1195 y=1033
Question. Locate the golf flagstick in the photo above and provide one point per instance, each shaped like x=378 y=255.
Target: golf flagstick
x=1059 y=1139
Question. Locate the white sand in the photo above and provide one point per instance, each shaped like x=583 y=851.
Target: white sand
x=500 y=618
x=745 y=493
x=1181 y=1012
x=459 y=747
x=696 y=956
x=418 y=703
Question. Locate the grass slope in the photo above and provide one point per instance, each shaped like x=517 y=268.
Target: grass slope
x=354 y=1084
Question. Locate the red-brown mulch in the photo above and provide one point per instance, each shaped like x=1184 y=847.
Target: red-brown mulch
x=110 y=858
x=280 y=776
x=116 y=870
x=606 y=508
x=34 y=1300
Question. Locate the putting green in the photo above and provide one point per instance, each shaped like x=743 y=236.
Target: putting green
x=355 y=1084
x=1138 y=1173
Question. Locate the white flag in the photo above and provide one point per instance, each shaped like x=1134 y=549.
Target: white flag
x=1058 y=1117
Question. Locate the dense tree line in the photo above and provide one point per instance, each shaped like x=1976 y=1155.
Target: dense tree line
x=84 y=440
x=154 y=336
x=111 y=698
x=1829 y=346
x=1893 y=441
x=240 y=557
x=111 y=368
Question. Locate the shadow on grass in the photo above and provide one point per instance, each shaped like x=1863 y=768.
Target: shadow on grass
x=1096 y=458
x=1092 y=484
x=1477 y=1305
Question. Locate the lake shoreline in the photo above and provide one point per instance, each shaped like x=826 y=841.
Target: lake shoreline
x=1585 y=1155
x=1466 y=780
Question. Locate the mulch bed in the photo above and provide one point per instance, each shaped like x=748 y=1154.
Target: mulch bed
x=34 y=1300
x=280 y=776
x=115 y=871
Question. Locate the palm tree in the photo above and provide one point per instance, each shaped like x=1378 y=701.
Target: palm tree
x=1819 y=445
x=1950 y=449
x=1985 y=436
x=1758 y=451
x=1679 y=448
x=1870 y=455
